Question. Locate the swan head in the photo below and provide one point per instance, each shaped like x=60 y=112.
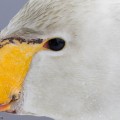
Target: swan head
x=79 y=81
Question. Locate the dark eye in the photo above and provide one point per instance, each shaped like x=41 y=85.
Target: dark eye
x=56 y=44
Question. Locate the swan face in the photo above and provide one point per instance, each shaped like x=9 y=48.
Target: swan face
x=81 y=81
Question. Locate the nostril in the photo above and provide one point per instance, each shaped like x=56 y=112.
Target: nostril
x=14 y=97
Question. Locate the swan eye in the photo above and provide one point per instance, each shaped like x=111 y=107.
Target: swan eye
x=56 y=44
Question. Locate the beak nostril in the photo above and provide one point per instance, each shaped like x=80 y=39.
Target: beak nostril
x=14 y=98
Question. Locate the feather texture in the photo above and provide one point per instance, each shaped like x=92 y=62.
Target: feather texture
x=81 y=82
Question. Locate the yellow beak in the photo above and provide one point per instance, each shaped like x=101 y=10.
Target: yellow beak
x=15 y=59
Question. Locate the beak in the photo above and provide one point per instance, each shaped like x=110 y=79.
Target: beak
x=15 y=58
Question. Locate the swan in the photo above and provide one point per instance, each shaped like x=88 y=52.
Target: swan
x=61 y=59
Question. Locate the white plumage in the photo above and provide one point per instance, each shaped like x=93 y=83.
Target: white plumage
x=81 y=82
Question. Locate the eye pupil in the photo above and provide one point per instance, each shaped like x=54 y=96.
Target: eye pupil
x=56 y=44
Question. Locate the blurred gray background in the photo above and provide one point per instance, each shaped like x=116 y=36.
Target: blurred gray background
x=8 y=8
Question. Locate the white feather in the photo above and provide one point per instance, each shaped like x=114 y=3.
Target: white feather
x=82 y=82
